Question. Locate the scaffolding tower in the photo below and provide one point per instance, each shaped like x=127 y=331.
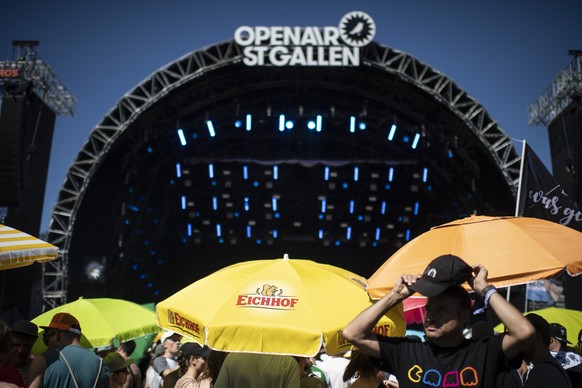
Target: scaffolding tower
x=566 y=88
x=27 y=70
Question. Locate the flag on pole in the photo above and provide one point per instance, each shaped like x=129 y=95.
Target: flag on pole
x=541 y=196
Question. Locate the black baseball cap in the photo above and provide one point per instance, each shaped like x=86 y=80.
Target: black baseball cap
x=559 y=332
x=443 y=272
x=190 y=349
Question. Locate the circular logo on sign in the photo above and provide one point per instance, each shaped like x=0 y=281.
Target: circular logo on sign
x=357 y=29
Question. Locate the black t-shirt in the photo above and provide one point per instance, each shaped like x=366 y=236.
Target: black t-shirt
x=472 y=363
x=547 y=373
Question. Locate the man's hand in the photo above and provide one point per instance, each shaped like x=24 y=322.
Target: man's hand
x=402 y=284
x=480 y=279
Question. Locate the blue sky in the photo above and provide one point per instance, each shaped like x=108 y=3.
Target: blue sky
x=503 y=53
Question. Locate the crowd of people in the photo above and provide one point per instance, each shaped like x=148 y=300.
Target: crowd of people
x=532 y=352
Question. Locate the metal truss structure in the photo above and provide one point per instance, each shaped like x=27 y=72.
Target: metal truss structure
x=564 y=89
x=37 y=75
x=195 y=66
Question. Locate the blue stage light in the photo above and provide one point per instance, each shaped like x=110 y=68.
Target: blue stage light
x=377 y=235
x=416 y=206
x=249 y=231
x=311 y=124
x=320 y=234
x=218 y=230
x=281 y=123
x=245 y=172
x=352 y=124
x=183 y=202
x=275 y=233
x=214 y=203
x=326 y=173
x=178 y=170
x=407 y=237
x=450 y=154
x=289 y=124
x=238 y=123
x=406 y=139
x=274 y=203
x=275 y=172
x=391 y=174
x=323 y=205
x=352 y=204
x=210 y=126
x=362 y=126
x=356 y=173
x=392 y=132
x=249 y=122
x=150 y=149
x=247 y=206
x=189 y=229
x=348 y=233
x=318 y=123
x=425 y=175
x=383 y=208
x=415 y=141
x=182 y=137
x=211 y=171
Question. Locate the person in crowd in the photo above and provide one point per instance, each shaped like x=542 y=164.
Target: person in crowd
x=362 y=371
x=333 y=366
x=24 y=335
x=118 y=369
x=152 y=378
x=134 y=378
x=252 y=370
x=570 y=360
x=168 y=361
x=66 y=364
x=543 y=370
x=446 y=358
x=214 y=364
x=580 y=342
x=9 y=375
x=196 y=374
x=306 y=378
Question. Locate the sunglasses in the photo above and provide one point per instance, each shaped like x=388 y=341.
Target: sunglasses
x=48 y=334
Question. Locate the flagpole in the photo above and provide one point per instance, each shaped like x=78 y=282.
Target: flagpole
x=522 y=164
x=521 y=167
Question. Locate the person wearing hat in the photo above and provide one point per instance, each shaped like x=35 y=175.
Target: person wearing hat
x=446 y=358
x=167 y=362
x=543 y=370
x=66 y=363
x=559 y=349
x=24 y=335
x=118 y=369
x=194 y=358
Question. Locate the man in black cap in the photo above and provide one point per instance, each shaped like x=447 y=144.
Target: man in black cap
x=559 y=349
x=447 y=358
x=24 y=335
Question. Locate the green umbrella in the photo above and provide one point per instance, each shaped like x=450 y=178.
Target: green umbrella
x=570 y=319
x=104 y=321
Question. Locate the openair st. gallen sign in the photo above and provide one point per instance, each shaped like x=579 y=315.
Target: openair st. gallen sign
x=307 y=46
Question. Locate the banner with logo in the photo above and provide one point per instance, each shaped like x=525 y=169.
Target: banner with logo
x=542 y=196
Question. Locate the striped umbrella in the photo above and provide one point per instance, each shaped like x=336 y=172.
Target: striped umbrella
x=18 y=249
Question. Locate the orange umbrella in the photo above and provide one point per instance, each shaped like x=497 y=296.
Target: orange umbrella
x=515 y=250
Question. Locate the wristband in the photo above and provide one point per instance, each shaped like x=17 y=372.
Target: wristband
x=486 y=290
x=486 y=293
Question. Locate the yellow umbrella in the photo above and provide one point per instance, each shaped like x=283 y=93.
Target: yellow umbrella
x=103 y=321
x=274 y=306
x=515 y=250
x=18 y=249
x=570 y=319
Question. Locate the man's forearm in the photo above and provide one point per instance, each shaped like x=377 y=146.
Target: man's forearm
x=361 y=327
